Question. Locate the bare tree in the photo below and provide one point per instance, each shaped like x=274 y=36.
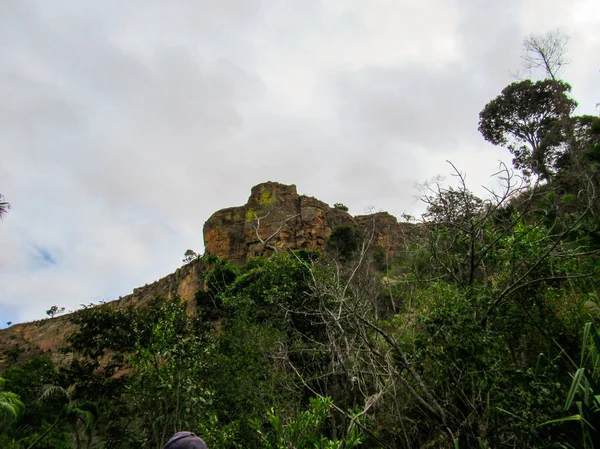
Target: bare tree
x=367 y=366
x=547 y=52
x=459 y=253
x=266 y=241
x=465 y=220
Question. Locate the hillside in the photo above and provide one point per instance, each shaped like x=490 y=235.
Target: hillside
x=304 y=324
x=275 y=218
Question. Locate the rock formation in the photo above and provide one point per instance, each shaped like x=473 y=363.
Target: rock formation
x=40 y=336
x=275 y=218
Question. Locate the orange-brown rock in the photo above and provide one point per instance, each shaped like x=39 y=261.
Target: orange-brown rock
x=37 y=337
x=276 y=217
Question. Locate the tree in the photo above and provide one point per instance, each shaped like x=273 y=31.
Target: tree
x=164 y=349
x=526 y=117
x=4 y=206
x=54 y=310
x=460 y=234
x=345 y=240
x=11 y=407
x=546 y=52
x=79 y=415
x=189 y=255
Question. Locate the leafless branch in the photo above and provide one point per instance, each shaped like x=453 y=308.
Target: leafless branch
x=265 y=242
x=547 y=52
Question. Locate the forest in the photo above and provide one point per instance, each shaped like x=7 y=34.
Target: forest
x=481 y=333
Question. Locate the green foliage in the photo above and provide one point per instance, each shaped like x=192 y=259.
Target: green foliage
x=267 y=286
x=526 y=118
x=380 y=258
x=11 y=407
x=592 y=151
x=305 y=430
x=13 y=353
x=495 y=387
x=27 y=380
x=344 y=241
x=168 y=359
x=245 y=376
x=217 y=276
x=81 y=415
x=583 y=396
x=166 y=350
x=340 y=206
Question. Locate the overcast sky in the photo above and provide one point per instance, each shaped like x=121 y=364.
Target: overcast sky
x=125 y=124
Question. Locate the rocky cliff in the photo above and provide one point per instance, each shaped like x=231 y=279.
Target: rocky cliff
x=275 y=218
x=36 y=337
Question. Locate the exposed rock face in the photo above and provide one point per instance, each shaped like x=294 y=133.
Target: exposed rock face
x=50 y=334
x=275 y=218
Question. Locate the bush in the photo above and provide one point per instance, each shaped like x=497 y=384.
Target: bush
x=344 y=241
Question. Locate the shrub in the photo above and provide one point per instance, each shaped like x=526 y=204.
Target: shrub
x=340 y=206
x=344 y=241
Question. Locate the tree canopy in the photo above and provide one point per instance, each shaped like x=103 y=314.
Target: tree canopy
x=526 y=118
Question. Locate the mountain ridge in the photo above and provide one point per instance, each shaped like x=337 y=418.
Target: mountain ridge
x=275 y=218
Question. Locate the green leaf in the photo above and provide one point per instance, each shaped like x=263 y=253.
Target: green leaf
x=577 y=417
x=574 y=385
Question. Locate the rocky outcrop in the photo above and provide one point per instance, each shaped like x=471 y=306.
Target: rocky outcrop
x=26 y=340
x=275 y=218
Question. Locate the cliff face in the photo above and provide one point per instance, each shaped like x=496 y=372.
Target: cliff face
x=48 y=335
x=275 y=218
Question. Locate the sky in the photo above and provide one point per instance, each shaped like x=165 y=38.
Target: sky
x=125 y=124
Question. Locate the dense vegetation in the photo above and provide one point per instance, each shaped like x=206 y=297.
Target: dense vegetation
x=479 y=332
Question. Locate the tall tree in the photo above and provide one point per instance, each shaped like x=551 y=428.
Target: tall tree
x=80 y=415
x=526 y=118
x=548 y=53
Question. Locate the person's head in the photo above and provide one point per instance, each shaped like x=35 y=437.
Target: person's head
x=185 y=440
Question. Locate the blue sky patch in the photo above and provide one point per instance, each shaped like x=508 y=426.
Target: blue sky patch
x=44 y=256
